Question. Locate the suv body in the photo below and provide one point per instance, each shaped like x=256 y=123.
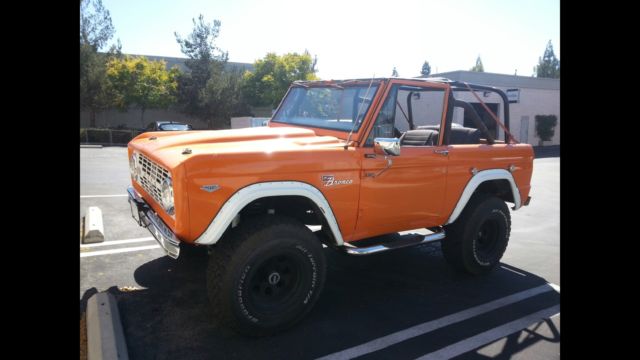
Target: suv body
x=360 y=158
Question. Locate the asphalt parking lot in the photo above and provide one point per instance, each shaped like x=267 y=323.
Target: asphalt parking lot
x=403 y=304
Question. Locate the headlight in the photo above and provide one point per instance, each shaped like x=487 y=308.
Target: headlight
x=167 y=196
x=133 y=166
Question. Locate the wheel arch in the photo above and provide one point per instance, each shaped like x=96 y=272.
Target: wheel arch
x=249 y=194
x=499 y=182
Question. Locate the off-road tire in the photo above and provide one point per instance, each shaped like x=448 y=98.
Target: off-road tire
x=243 y=265
x=476 y=241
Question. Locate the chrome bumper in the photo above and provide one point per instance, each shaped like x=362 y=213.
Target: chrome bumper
x=144 y=215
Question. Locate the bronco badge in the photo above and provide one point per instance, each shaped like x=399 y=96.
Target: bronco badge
x=330 y=180
x=210 y=188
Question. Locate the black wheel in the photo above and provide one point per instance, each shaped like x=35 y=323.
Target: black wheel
x=265 y=276
x=476 y=241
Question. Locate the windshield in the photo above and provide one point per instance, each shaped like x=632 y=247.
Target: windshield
x=174 y=127
x=333 y=107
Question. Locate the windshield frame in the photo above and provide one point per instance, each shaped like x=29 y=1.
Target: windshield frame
x=332 y=85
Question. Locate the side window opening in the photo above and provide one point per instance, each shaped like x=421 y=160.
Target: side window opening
x=412 y=114
x=471 y=124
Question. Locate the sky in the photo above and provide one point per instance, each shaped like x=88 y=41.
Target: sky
x=354 y=38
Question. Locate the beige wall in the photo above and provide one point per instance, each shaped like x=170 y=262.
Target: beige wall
x=532 y=102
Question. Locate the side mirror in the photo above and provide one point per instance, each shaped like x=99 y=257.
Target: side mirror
x=386 y=146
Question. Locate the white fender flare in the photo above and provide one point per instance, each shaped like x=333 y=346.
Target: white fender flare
x=475 y=181
x=244 y=196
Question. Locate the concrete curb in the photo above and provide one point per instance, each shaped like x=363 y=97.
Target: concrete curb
x=105 y=337
x=91 y=146
x=93 y=226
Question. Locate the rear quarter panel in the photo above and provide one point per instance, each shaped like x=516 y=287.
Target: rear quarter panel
x=462 y=158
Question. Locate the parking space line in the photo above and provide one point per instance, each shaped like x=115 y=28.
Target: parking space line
x=116 y=251
x=99 y=196
x=421 y=329
x=117 y=242
x=489 y=336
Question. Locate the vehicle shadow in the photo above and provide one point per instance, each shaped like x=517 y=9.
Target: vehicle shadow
x=364 y=298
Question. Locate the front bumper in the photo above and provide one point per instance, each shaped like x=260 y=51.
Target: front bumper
x=144 y=215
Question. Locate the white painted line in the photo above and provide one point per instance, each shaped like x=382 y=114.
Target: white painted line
x=513 y=271
x=555 y=287
x=99 y=196
x=116 y=251
x=421 y=329
x=494 y=334
x=117 y=242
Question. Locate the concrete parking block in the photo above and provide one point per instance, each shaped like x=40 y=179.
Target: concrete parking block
x=105 y=337
x=93 y=227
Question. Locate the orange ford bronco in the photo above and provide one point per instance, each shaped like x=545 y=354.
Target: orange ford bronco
x=351 y=159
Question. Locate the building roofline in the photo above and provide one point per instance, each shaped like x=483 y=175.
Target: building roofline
x=499 y=80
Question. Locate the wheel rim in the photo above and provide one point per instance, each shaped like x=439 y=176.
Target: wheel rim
x=275 y=282
x=487 y=240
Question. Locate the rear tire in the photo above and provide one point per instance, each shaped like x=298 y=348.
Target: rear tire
x=476 y=241
x=265 y=276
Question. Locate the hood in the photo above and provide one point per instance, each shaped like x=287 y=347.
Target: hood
x=168 y=147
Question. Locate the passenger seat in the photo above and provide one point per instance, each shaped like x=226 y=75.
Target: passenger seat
x=419 y=137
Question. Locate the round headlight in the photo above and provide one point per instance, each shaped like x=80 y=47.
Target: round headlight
x=167 y=196
x=133 y=166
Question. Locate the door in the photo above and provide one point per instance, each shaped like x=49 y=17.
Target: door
x=524 y=130
x=407 y=191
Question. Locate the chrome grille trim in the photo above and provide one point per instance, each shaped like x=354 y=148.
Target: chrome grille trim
x=151 y=177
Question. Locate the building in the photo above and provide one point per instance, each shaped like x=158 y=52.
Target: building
x=248 y=121
x=528 y=97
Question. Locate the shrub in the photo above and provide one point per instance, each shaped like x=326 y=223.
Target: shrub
x=545 y=127
x=98 y=135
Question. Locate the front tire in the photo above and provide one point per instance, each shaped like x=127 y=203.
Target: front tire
x=266 y=276
x=476 y=241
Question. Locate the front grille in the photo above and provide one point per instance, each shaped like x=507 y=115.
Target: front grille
x=151 y=177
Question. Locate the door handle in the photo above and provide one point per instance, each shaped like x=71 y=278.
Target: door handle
x=442 y=152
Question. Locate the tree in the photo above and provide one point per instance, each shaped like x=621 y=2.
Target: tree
x=273 y=75
x=96 y=30
x=426 y=69
x=208 y=81
x=548 y=66
x=545 y=127
x=478 y=67
x=394 y=73
x=138 y=81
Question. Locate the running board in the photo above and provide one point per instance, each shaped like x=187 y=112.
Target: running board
x=353 y=250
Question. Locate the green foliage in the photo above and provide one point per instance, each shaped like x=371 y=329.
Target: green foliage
x=138 y=81
x=426 y=69
x=273 y=75
x=548 y=65
x=478 y=67
x=545 y=127
x=95 y=24
x=96 y=30
x=101 y=136
x=209 y=90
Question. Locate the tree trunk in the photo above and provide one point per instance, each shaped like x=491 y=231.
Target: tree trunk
x=142 y=117
x=540 y=142
x=92 y=117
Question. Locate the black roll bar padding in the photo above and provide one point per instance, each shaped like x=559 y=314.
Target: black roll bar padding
x=460 y=86
x=475 y=118
x=410 y=111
